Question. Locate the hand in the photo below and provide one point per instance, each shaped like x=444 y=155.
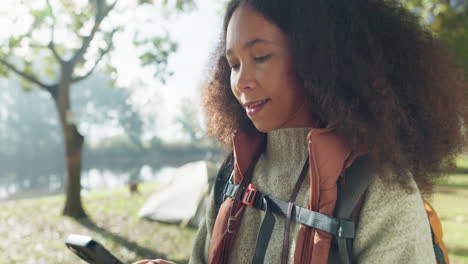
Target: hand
x=154 y=261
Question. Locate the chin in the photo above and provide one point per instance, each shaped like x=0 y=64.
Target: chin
x=263 y=128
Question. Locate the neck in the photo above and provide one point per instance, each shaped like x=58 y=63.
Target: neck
x=302 y=117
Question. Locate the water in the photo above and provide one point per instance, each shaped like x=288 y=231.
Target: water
x=30 y=182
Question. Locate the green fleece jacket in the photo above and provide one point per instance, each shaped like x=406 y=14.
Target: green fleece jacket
x=393 y=226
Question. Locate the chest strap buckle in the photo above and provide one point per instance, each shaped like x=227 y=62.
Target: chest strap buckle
x=249 y=195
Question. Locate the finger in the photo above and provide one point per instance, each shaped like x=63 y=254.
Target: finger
x=162 y=261
x=145 y=261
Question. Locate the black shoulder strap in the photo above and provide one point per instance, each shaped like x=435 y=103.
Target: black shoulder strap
x=221 y=180
x=357 y=179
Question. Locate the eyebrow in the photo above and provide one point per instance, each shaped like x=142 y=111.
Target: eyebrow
x=249 y=44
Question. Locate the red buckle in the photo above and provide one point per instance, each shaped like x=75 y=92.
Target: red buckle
x=249 y=195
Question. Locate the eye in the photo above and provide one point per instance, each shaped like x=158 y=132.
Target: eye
x=235 y=67
x=262 y=59
x=233 y=64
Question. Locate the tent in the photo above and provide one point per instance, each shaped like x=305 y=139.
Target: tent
x=183 y=200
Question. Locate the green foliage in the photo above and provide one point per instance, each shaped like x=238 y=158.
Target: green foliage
x=50 y=72
x=449 y=21
x=14 y=42
x=26 y=85
x=180 y=5
x=69 y=17
x=172 y=5
x=462 y=162
x=159 y=48
x=452 y=27
x=40 y=15
x=4 y=71
x=157 y=54
x=183 y=4
x=68 y=4
x=80 y=19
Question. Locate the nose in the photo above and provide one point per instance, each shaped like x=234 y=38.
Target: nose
x=243 y=80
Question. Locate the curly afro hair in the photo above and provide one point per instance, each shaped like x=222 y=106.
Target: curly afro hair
x=375 y=69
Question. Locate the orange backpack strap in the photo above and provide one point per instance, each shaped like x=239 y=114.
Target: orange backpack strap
x=436 y=228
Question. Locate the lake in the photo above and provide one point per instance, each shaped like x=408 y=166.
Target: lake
x=28 y=182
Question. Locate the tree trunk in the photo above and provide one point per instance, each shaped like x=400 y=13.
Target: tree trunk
x=73 y=148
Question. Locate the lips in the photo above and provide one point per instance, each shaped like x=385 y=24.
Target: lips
x=254 y=103
x=255 y=106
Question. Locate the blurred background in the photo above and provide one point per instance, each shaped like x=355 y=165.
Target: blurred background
x=100 y=124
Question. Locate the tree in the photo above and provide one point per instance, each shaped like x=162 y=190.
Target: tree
x=448 y=19
x=187 y=120
x=89 y=40
x=108 y=107
x=28 y=128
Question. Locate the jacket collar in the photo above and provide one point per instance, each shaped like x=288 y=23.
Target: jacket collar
x=248 y=145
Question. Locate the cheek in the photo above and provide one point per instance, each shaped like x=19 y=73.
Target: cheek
x=288 y=91
x=284 y=81
x=232 y=86
x=234 y=90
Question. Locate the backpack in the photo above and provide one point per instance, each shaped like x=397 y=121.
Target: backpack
x=350 y=197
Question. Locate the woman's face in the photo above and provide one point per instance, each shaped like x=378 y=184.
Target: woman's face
x=263 y=78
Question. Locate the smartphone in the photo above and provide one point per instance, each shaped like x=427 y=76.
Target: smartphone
x=89 y=250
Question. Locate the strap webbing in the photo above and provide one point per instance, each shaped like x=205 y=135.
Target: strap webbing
x=358 y=178
x=338 y=227
x=292 y=200
x=225 y=171
x=264 y=234
x=237 y=208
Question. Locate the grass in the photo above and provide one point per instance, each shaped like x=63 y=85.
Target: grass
x=451 y=203
x=33 y=230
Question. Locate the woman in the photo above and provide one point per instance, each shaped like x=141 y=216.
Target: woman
x=303 y=89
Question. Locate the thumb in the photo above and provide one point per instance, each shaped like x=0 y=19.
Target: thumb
x=161 y=261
